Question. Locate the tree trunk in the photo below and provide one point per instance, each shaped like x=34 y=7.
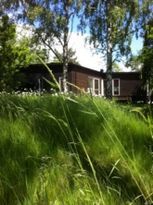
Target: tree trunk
x=65 y=48
x=109 y=72
x=109 y=55
x=65 y=68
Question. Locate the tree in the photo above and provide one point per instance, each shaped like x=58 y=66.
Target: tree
x=134 y=63
x=146 y=58
x=71 y=57
x=112 y=24
x=13 y=54
x=53 y=22
x=116 y=67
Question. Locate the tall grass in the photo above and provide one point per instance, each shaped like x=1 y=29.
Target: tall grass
x=73 y=150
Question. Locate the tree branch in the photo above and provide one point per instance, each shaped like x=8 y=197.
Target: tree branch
x=53 y=50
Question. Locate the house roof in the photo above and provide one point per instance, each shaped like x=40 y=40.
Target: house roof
x=58 y=68
x=53 y=66
x=125 y=75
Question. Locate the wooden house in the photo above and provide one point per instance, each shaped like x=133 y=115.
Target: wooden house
x=125 y=85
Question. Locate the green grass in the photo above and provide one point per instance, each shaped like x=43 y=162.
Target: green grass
x=74 y=150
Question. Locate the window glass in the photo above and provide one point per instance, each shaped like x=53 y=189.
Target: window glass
x=116 y=83
x=94 y=86
x=90 y=84
x=116 y=87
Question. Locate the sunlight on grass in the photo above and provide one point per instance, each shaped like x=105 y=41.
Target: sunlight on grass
x=73 y=150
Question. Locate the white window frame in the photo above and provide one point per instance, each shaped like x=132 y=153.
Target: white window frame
x=90 y=90
x=100 y=86
x=113 y=87
x=97 y=90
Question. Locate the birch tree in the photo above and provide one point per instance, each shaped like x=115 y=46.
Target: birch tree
x=52 y=21
x=112 y=24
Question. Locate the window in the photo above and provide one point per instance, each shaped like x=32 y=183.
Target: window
x=116 y=87
x=90 y=85
x=102 y=87
x=95 y=86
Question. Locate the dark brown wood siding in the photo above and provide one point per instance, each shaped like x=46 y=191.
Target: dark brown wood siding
x=129 y=87
x=130 y=84
x=81 y=80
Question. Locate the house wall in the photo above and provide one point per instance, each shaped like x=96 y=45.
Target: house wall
x=130 y=83
x=80 y=79
x=129 y=87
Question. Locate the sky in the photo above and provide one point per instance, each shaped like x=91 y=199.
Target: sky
x=85 y=53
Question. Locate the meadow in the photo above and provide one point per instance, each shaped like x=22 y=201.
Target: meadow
x=74 y=150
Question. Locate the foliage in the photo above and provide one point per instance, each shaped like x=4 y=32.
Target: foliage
x=70 y=150
x=13 y=54
x=147 y=55
x=135 y=63
x=116 y=67
x=144 y=61
x=111 y=25
x=53 y=23
x=71 y=57
x=38 y=51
